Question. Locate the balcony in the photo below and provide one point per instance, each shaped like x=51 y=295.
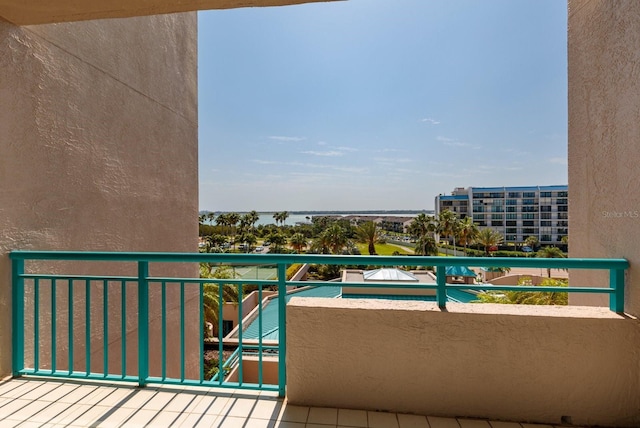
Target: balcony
x=427 y=357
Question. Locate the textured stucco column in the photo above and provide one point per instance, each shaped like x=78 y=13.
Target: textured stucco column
x=604 y=135
x=98 y=144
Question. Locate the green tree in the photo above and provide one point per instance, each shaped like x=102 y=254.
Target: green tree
x=467 y=232
x=550 y=253
x=298 y=241
x=426 y=246
x=232 y=221
x=448 y=225
x=214 y=243
x=336 y=238
x=489 y=238
x=532 y=241
x=278 y=241
x=281 y=217
x=368 y=233
x=211 y=293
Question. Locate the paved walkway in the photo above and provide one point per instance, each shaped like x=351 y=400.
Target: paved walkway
x=36 y=402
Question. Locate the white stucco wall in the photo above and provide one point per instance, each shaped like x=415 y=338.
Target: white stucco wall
x=504 y=362
x=98 y=143
x=604 y=130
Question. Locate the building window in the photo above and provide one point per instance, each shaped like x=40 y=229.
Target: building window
x=512 y=223
x=528 y=202
x=514 y=194
x=545 y=223
x=512 y=238
x=563 y=216
x=528 y=194
x=528 y=231
x=497 y=223
x=561 y=201
x=563 y=208
x=545 y=238
x=511 y=216
x=528 y=223
x=545 y=208
x=531 y=209
x=528 y=216
x=512 y=230
x=545 y=194
x=563 y=194
x=511 y=209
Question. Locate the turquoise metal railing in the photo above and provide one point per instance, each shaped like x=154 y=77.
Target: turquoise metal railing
x=97 y=308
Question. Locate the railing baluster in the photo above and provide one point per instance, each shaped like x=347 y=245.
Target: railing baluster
x=105 y=328
x=87 y=325
x=123 y=327
x=220 y=334
x=143 y=323
x=182 y=359
x=260 y=334
x=164 y=329
x=616 y=299
x=36 y=324
x=441 y=291
x=201 y=329
x=53 y=326
x=17 y=270
x=70 y=311
x=240 y=344
x=282 y=330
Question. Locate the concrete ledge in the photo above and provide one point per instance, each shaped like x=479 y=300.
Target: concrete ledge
x=524 y=363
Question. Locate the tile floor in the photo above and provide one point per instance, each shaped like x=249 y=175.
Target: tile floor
x=36 y=402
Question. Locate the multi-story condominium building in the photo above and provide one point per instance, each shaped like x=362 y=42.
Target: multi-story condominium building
x=515 y=212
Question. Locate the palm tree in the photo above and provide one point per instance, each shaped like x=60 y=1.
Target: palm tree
x=232 y=221
x=467 y=232
x=280 y=217
x=421 y=225
x=253 y=217
x=550 y=253
x=211 y=293
x=426 y=246
x=489 y=238
x=336 y=238
x=367 y=232
x=298 y=241
x=532 y=242
x=448 y=225
x=278 y=240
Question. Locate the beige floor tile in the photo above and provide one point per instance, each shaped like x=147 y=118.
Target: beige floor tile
x=210 y=404
x=266 y=409
x=319 y=426
x=92 y=398
x=69 y=415
x=41 y=391
x=181 y=402
x=115 y=417
x=77 y=394
x=438 y=422
x=159 y=401
x=140 y=418
x=473 y=423
x=240 y=407
x=208 y=421
x=382 y=420
x=291 y=413
x=352 y=418
x=13 y=407
x=224 y=421
x=322 y=415
x=137 y=399
x=165 y=419
x=412 y=421
x=92 y=415
x=21 y=390
x=50 y=412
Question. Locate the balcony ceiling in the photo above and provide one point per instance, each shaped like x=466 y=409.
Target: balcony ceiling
x=21 y=12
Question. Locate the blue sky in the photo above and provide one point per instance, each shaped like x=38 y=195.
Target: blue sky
x=379 y=104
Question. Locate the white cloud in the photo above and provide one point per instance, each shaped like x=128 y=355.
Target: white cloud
x=430 y=121
x=264 y=162
x=452 y=142
x=560 y=161
x=328 y=153
x=286 y=139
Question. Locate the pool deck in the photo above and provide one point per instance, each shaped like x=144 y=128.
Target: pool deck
x=38 y=402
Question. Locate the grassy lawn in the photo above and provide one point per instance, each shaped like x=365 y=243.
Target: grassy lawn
x=382 y=249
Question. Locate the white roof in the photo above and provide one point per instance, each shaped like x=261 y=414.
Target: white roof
x=388 y=275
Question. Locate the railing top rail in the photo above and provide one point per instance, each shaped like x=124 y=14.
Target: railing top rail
x=262 y=259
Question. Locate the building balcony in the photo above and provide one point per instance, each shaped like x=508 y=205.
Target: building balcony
x=93 y=348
